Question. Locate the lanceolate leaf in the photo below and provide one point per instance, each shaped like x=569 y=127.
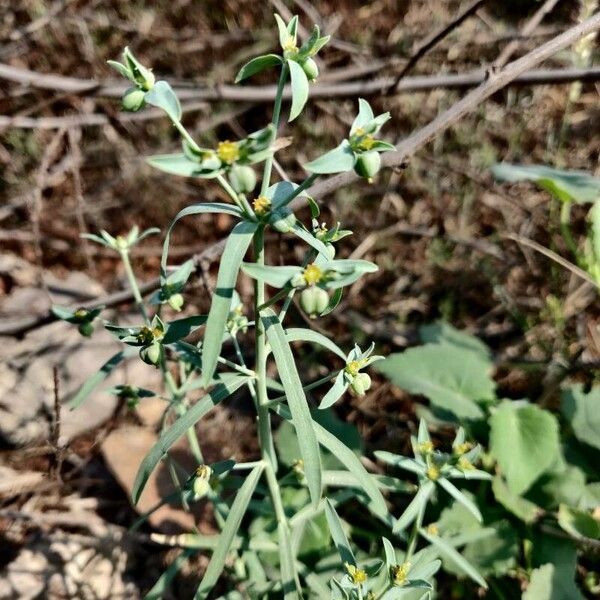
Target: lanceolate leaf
x=301 y=417
x=416 y=505
x=256 y=65
x=180 y=164
x=232 y=524
x=365 y=115
x=163 y=96
x=448 y=552
x=460 y=497
x=229 y=384
x=92 y=382
x=289 y=576
x=181 y=328
x=195 y=209
x=339 y=536
x=299 y=334
x=300 y=87
x=275 y=276
x=235 y=249
x=335 y=392
x=310 y=239
x=338 y=160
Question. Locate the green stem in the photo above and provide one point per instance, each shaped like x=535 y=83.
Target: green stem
x=266 y=180
x=303 y=186
x=310 y=386
x=188 y=138
x=565 y=229
x=135 y=290
x=414 y=534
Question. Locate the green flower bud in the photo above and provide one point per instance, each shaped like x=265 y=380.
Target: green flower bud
x=133 y=99
x=152 y=354
x=313 y=301
x=283 y=220
x=310 y=68
x=201 y=483
x=175 y=302
x=86 y=329
x=361 y=383
x=368 y=164
x=242 y=179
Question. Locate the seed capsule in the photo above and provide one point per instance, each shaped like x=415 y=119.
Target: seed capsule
x=242 y=179
x=152 y=354
x=86 y=329
x=368 y=164
x=133 y=99
x=361 y=383
x=283 y=220
x=313 y=301
x=176 y=302
x=309 y=66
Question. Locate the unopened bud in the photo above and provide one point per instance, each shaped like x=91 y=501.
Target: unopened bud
x=310 y=68
x=361 y=383
x=176 y=302
x=368 y=164
x=133 y=99
x=242 y=178
x=86 y=329
x=152 y=354
x=313 y=301
x=283 y=220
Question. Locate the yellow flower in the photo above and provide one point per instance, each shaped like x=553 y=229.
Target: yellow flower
x=366 y=143
x=312 y=274
x=228 y=152
x=433 y=529
x=290 y=45
x=203 y=472
x=358 y=576
x=400 y=573
x=433 y=472
x=261 y=205
x=465 y=464
x=426 y=447
x=463 y=448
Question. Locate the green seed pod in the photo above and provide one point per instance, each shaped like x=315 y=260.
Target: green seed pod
x=310 y=68
x=152 y=354
x=242 y=179
x=201 y=483
x=175 y=302
x=368 y=164
x=283 y=220
x=86 y=329
x=133 y=99
x=313 y=301
x=361 y=383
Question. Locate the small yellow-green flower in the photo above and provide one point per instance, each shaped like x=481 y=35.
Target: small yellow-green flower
x=463 y=448
x=261 y=205
x=465 y=464
x=400 y=573
x=426 y=447
x=357 y=576
x=312 y=274
x=228 y=152
x=433 y=472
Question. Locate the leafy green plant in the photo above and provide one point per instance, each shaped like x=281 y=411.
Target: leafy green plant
x=536 y=508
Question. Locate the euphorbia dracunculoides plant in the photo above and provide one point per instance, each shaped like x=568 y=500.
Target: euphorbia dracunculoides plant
x=219 y=364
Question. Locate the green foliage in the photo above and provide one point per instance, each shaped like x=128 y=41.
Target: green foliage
x=581 y=409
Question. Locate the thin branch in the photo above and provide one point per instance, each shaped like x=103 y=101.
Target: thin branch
x=433 y=40
x=495 y=81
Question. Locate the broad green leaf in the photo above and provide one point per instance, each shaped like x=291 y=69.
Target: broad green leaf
x=301 y=417
x=194 y=209
x=582 y=410
x=541 y=586
x=181 y=328
x=229 y=383
x=232 y=524
x=338 y=160
x=417 y=504
x=365 y=115
x=300 y=334
x=179 y=164
x=524 y=440
x=233 y=254
x=441 y=332
x=300 y=86
x=447 y=551
x=275 y=276
x=338 y=535
x=456 y=380
x=94 y=380
x=568 y=186
x=256 y=65
x=163 y=96
x=289 y=576
x=159 y=589
x=578 y=523
x=522 y=508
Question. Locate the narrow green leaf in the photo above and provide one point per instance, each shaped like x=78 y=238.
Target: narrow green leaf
x=163 y=96
x=300 y=87
x=179 y=164
x=194 y=209
x=229 y=384
x=233 y=254
x=300 y=334
x=338 y=160
x=365 y=115
x=289 y=577
x=283 y=32
x=256 y=65
x=232 y=524
x=181 y=328
x=159 y=589
x=307 y=237
x=417 y=504
x=275 y=276
x=450 y=553
x=390 y=553
x=94 y=380
x=460 y=497
x=301 y=417
x=339 y=536
x=335 y=392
